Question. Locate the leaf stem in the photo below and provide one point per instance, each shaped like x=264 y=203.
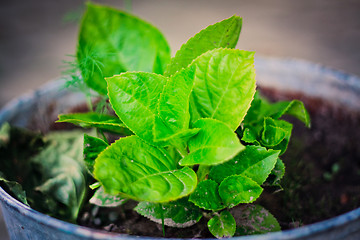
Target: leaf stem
x=202 y=172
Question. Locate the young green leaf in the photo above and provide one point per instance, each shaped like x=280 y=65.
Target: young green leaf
x=102 y=199
x=112 y=41
x=222 y=225
x=206 y=196
x=224 y=86
x=255 y=162
x=276 y=134
x=238 y=189
x=134 y=169
x=180 y=213
x=134 y=97
x=224 y=34
x=92 y=148
x=173 y=106
x=214 y=144
x=91 y=119
x=254 y=219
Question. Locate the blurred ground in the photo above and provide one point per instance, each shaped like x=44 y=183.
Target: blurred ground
x=36 y=35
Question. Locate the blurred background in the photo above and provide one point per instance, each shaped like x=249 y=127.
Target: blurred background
x=37 y=35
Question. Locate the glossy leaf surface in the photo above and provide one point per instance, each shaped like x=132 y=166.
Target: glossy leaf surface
x=224 y=86
x=215 y=143
x=238 y=189
x=254 y=162
x=134 y=169
x=224 y=34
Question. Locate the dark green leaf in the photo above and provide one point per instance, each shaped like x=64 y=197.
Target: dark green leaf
x=92 y=148
x=224 y=34
x=276 y=174
x=134 y=169
x=276 y=134
x=112 y=41
x=14 y=188
x=215 y=143
x=102 y=199
x=180 y=213
x=206 y=196
x=254 y=219
x=92 y=119
x=222 y=225
x=254 y=162
x=239 y=189
x=224 y=86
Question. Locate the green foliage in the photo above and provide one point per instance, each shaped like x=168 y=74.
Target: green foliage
x=203 y=142
x=112 y=42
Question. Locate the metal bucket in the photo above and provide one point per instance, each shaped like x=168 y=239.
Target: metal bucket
x=314 y=80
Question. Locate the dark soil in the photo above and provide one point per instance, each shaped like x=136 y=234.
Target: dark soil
x=322 y=176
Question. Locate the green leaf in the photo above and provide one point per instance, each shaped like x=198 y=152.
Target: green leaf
x=134 y=97
x=180 y=213
x=276 y=174
x=92 y=148
x=224 y=34
x=102 y=199
x=112 y=41
x=222 y=225
x=173 y=107
x=91 y=119
x=215 y=143
x=63 y=172
x=255 y=162
x=14 y=188
x=224 y=86
x=254 y=219
x=276 y=134
x=206 y=196
x=238 y=189
x=4 y=134
x=134 y=169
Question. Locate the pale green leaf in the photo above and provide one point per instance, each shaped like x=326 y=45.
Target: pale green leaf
x=206 y=196
x=222 y=225
x=102 y=199
x=206 y=149
x=224 y=34
x=134 y=169
x=238 y=189
x=91 y=119
x=112 y=41
x=254 y=162
x=224 y=86
x=180 y=213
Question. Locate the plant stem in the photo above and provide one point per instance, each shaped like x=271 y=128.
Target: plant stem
x=202 y=172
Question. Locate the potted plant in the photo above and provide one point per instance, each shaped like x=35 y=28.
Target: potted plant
x=197 y=140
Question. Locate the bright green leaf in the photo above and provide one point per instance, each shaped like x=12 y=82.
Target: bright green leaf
x=180 y=213
x=206 y=196
x=254 y=162
x=222 y=225
x=224 y=86
x=238 y=189
x=102 y=199
x=254 y=219
x=276 y=134
x=215 y=143
x=92 y=147
x=91 y=119
x=134 y=97
x=224 y=34
x=112 y=41
x=134 y=169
